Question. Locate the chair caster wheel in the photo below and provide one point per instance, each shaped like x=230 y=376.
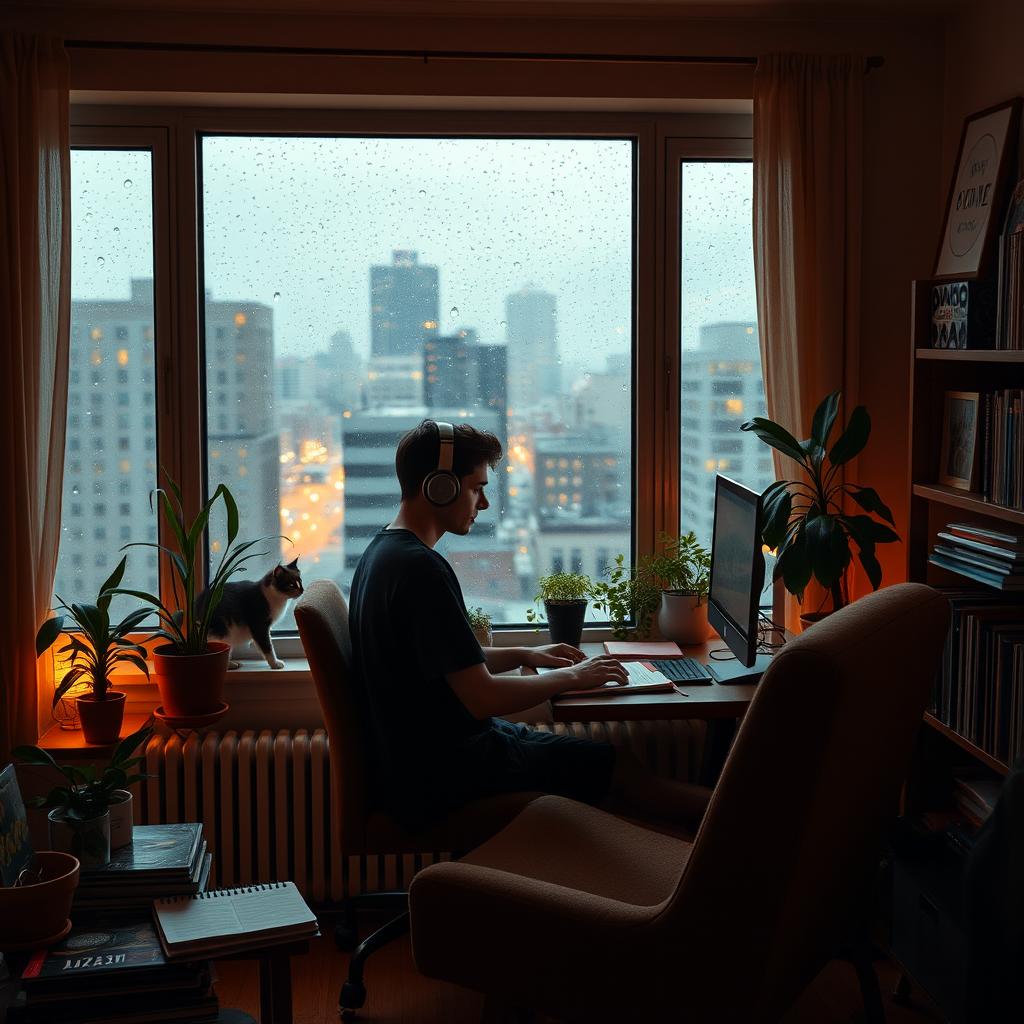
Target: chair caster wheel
x=346 y=937
x=353 y=995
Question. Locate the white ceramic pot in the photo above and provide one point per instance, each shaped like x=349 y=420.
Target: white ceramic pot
x=89 y=840
x=122 y=814
x=683 y=619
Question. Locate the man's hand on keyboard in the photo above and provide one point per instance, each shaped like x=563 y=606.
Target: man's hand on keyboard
x=552 y=656
x=595 y=672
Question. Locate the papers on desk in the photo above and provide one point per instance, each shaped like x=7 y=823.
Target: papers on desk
x=643 y=678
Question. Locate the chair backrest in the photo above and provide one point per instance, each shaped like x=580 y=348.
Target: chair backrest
x=322 y=618
x=794 y=827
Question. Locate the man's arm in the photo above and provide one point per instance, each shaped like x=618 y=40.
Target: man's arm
x=507 y=659
x=485 y=694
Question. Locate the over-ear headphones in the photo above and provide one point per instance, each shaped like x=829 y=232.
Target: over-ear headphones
x=442 y=487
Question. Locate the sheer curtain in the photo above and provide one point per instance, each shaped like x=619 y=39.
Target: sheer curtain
x=35 y=304
x=808 y=140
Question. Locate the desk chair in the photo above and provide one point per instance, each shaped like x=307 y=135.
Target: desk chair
x=572 y=912
x=322 y=619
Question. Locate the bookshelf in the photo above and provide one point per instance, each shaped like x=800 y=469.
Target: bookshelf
x=933 y=505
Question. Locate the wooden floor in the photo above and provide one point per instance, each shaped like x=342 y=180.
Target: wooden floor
x=397 y=994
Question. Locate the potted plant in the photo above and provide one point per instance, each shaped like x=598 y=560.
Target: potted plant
x=190 y=667
x=683 y=573
x=79 y=818
x=95 y=646
x=35 y=911
x=804 y=520
x=675 y=581
x=565 y=596
x=480 y=621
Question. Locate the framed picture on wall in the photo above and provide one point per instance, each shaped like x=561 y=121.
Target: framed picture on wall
x=977 y=192
x=959 y=439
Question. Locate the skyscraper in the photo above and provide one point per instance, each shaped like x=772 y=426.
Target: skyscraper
x=241 y=425
x=531 y=330
x=722 y=387
x=404 y=308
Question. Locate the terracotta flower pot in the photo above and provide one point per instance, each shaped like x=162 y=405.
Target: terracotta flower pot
x=484 y=637
x=101 y=719
x=32 y=916
x=683 y=619
x=191 y=684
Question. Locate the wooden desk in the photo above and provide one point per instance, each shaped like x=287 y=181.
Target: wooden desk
x=714 y=701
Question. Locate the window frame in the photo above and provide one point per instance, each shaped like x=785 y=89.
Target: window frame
x=661 y=142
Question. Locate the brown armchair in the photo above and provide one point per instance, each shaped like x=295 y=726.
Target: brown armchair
x=322 y=619
x=573 y=912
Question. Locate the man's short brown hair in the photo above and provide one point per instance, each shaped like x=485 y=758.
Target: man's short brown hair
x=418 y=450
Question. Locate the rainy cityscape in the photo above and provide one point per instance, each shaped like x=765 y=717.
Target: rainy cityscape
x=354 y=287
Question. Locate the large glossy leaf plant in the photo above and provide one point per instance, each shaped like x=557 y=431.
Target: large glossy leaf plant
x=805 y=521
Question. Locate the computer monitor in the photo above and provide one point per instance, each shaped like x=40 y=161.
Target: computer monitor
x=737 y=575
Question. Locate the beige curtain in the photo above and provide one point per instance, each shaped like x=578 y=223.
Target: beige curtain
x=808 y=140
x=35 y=306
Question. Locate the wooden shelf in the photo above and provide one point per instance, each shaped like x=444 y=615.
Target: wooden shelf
x=969 y=355
x=969 y=501
x=965 y=744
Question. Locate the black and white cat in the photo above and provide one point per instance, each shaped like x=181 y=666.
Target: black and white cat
x=249 y=609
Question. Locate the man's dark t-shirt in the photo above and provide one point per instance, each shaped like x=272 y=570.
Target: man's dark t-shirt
x=409 y=629
x=428 y=753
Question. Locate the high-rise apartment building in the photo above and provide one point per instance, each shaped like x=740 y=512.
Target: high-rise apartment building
x=404 y=305
x=722 y=386
x=110 y=463
x=532 y=333
x=241 y=426
x=450 y=370
x=372 y=493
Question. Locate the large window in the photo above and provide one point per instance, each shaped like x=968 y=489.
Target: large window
x=721 y=378
x=355 y=286
x=284 y=294
x=110 y=458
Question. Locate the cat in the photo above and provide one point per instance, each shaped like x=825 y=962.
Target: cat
x=249 y=609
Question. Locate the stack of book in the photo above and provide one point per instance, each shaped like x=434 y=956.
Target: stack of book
x=113 y=976
x=994 y=557
x=161 y=860
x=980 y=689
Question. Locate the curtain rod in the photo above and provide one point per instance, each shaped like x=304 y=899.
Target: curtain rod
x=426 y=55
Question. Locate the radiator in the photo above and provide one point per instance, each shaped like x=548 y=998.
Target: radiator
x=265 y=801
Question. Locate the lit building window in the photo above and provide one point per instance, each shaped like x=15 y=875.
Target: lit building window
x=240 y=319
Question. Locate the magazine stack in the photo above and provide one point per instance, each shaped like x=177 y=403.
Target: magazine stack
x=161 y=860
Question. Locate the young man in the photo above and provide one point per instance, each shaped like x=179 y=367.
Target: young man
x=432 y=695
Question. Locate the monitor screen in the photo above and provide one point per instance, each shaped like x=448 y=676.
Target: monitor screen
x=737 y=568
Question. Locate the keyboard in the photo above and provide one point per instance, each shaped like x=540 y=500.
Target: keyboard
x=683 y=670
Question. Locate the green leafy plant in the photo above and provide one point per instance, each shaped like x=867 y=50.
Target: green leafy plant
x=561 y=586
x=684 y=565
x=478 y=618
x=804 y=520
x=187 y=627
x=94 y=643
x=86 y=794
x=632 y=594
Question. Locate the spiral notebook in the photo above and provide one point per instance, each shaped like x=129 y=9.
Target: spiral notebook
x=232 y=920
